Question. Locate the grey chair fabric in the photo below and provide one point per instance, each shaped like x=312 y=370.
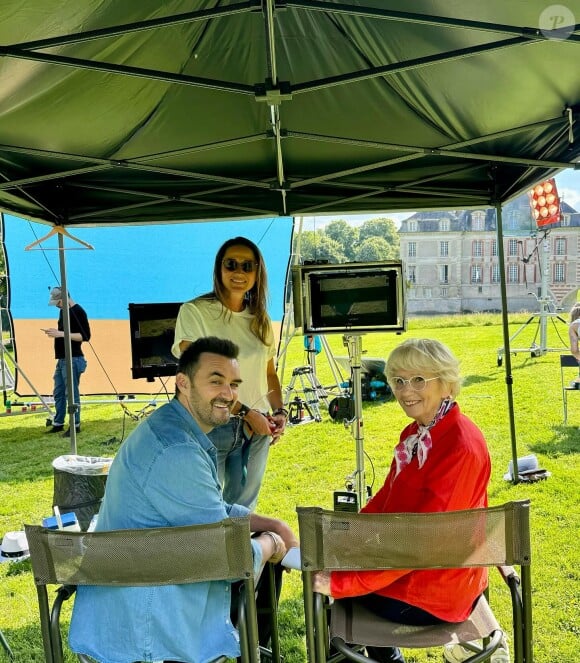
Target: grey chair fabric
x=199 y=553
x=497 y=536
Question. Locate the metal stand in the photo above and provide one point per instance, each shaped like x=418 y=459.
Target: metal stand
x=353 y=342
x=7 y=376
x=546 y=312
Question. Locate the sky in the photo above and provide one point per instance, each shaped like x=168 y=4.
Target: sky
x=567 y=182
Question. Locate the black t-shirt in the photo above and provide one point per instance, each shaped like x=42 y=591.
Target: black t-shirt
x=79 y=324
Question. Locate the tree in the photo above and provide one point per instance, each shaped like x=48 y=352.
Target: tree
x=346 y=235
x=381 y=227
x=318 y=246
x=374 y=249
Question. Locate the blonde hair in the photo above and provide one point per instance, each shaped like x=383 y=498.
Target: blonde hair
x=575 y=312
x=426 y=355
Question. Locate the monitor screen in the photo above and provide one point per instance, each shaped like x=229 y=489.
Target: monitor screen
x=152 y=332
x=353 y=297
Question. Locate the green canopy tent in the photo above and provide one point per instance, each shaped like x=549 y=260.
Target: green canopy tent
x=123 y=112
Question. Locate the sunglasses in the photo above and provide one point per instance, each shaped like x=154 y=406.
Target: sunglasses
x=232 y=265
x=417 y=382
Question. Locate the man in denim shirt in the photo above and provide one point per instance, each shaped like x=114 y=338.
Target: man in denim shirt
x=165 y=475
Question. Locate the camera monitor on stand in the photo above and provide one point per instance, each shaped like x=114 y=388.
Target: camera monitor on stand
x=351 y=299
x=152 y=333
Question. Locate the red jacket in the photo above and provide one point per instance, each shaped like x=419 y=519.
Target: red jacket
x=454 y=477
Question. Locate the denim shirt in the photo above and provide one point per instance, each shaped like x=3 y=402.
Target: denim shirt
x=164 y=475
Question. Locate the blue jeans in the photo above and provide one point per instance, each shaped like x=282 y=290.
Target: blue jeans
x=79 y=366
x=241 y=462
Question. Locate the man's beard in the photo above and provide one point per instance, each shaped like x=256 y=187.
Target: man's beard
x=207 y=414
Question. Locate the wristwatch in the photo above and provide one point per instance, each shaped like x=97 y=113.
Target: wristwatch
x=243 y=411
x=280 y=410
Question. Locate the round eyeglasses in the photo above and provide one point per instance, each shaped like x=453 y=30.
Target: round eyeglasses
x=233 y=265
x=417 y=382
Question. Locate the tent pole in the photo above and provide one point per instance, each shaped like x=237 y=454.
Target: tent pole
x=506 y=340
x=72 y=407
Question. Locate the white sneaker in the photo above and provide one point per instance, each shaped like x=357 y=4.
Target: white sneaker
x=458 y=654
x=501 y=654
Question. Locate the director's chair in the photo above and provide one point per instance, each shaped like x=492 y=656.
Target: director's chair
x=197 y=553
x=566 y=362
x=496 y=536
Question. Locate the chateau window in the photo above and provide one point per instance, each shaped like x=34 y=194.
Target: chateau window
x=560 y=272
x=444 y=225
x=476 y=275
x=494 y=247
x=560 y=246
x=478 y=221
x=513 y=273
x=513 y=247
x=412 y=253
x=411 y=274
x=477 y=248
x=413 y=226
x=512 y=220
x=444 y=292
x=443 y=273
x=443 y=249
x=495 y=274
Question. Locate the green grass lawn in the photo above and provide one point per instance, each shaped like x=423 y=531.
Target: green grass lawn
x=313 y=460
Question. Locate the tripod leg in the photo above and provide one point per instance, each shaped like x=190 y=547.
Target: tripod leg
x=6 y=646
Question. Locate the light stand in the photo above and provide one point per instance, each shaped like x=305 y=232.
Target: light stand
x=353 y=343
x=543 y=315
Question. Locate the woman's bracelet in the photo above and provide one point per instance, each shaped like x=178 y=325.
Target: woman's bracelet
x=279 y=550
x=280 y=410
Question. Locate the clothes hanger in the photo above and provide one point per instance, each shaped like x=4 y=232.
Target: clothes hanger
x=59 y=230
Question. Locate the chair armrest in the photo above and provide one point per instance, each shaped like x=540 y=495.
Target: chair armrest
x=509 y=574
x=65 y=592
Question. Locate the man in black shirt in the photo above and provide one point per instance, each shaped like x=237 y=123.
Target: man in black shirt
x=79 y=331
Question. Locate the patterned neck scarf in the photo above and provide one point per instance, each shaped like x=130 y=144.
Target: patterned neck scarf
x=419 y=443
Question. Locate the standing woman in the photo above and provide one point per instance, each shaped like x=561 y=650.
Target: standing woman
x=236 y=310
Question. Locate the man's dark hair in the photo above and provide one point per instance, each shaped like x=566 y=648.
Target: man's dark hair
x=218 y=346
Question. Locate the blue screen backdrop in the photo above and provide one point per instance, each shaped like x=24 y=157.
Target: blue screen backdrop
x=134 y=264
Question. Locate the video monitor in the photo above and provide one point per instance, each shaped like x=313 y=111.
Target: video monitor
x=152 y=333
x=349 y=298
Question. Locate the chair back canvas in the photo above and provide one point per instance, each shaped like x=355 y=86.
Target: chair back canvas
x=495 y=536
x=160 y=556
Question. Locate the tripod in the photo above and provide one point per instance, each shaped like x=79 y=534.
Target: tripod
x=543 y=316
x=304 y=409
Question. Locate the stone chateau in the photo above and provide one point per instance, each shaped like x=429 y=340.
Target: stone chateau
x=451 y=262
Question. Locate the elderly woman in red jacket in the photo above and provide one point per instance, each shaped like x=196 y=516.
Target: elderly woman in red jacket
x=441 y=463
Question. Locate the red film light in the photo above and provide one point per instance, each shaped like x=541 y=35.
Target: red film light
x=545 y=203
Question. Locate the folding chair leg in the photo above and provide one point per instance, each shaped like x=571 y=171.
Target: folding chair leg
x=273 y=590
x=527 y=614
x=309 y=616
x=320 y=628
x=565 y=401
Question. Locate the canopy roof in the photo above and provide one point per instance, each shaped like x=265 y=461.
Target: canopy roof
x=133 y=112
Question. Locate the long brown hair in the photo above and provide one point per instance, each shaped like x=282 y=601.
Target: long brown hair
x=256 y=298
